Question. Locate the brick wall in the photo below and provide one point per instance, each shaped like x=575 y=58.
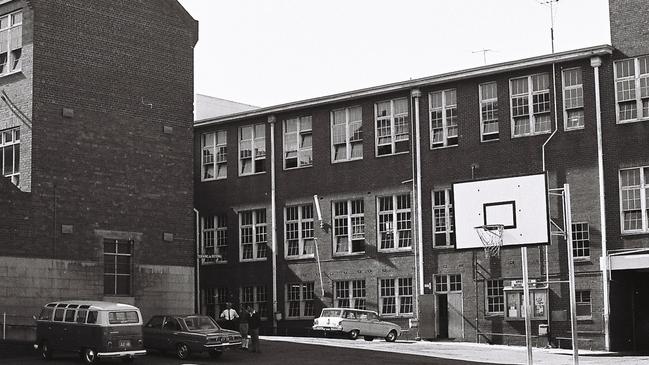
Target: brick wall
x=629 y=26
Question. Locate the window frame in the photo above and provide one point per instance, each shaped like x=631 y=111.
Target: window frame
x=490 y=302
x=219 y=232
x=355 y=301
x=255 y=225
x=444 y=109
x=644 y=215
x=495 y=111
x=298 y=135
x=12 y=63
x=582 y=302
x=394 y=214
x=302 y=300
x=531 y=115
x=349 y=222
x=253 y=142
x=584 y=241
x=566 y=89
x=114 y=255
x=216 y=299
x=14 y=146
x=301 y=236
x=397 y=296
x=637 y=89
x=348 y=134
x=260 y=299
x=391 y=118
x=449 y=218
x=216 y=150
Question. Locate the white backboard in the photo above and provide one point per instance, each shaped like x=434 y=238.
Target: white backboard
x=519 y=203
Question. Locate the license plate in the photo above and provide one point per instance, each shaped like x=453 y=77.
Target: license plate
x=124 y=343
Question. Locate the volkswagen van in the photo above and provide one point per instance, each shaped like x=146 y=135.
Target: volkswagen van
x=355 y=323
x=95 y=330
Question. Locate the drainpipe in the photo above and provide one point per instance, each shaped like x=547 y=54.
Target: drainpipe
x=416 y=94
x=273 y=219
x=197 y=275
x=596 y=62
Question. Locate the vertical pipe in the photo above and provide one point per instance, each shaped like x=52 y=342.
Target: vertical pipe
x=4 y=326
x=528 y=307
x=596 y=62
x=273 y=220
x=567 y=214
x=197 y=288
x=416 y=94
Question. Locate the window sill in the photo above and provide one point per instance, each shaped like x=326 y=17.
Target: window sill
x=531 y=134
x=582 y=260
x=634 y=233
x=213 y=263
x=393 y=154
x=585 y=319
x=298 y=258
x=253 y=174
x=349 y=160
x=490 y=140
x=297 y=168
x=395 y=250
x=11 y=73
x=253 y=260
x=345 y=254
x=495 y=315
x=443 y=147
x=574 y=129
x=449 y=247
x=214 y=179
x=631 y=121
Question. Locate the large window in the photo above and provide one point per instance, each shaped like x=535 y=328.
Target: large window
x=633 y=199
x=253 y=234
x=395 y=296
x=299 y=300
x=443 y=118
x=215 y=300
x=395 y=222
x=255 y=297
x=11 y=42
x=349 y=226
x=215 y=155
x=350 y=294
x=299 y=231
x=573 y=99
x=632 y=89
x=117 y=267
x=10 y=154
x=495 y=297
x=214 y=231
x=347 y=134
x=531 y=91
x=584 y=304
x=252 y=149
x=489 y=129
x=298 y=148
x=392 y=127
x=580 y=240
x=444 y=235
x=448 y=283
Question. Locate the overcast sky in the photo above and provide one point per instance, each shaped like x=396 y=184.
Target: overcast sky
x=267 y=52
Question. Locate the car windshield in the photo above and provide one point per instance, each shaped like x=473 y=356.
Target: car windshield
x=331 y=313
x=198 y=323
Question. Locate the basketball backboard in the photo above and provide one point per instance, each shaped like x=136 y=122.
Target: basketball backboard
x=519 y=203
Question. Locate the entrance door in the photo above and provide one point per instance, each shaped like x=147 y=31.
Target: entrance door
x=454 y=310
x=442 y=316
x=448 y=290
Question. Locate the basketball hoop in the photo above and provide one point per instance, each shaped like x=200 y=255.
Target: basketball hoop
x=491 y=236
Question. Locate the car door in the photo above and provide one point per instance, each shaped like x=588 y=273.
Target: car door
x=169 y=334
x=375 y=327
x=152 y=333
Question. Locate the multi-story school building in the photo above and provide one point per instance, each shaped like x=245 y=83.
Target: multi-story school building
x=379 y=233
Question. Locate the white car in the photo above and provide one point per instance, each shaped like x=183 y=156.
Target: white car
x=355 y=323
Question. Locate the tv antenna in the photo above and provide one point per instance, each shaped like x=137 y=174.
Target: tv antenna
x=484 y=54
x=550 y=3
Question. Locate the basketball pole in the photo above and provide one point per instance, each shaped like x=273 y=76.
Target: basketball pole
x=528 y=307
x=567 y=216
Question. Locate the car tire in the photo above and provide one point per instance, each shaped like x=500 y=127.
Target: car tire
x=392 y=336
x=215 y=354
x=89 y=356
x=353 y=334
x=182 y=351
x=46 y=352
x=368 y=338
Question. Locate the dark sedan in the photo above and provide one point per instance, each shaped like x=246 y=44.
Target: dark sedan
x=184 y=334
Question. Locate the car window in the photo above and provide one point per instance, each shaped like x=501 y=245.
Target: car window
x=92 y=317
x=155 y=322
x=372 y=317
x=46 y=314
x=58 y=314
x=123 y=317
x=197 y=323
x=81 y=316
x=171 y=325
x=69 y=315
x=331 y=313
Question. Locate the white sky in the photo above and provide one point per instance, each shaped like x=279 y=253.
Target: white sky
x=267 y=52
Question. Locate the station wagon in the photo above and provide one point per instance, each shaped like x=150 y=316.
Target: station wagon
x=355 y=323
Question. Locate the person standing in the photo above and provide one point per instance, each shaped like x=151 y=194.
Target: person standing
x=230 y=316
x=253 y=328
x=243 y=327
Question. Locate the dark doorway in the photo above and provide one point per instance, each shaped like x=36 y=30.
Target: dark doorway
x=442 y=316
x=629 y=310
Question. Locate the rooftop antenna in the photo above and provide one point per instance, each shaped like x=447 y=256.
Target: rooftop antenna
x=550 y=2
x=484 y=54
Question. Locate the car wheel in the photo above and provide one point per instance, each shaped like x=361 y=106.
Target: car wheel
x=368 y=338
x=182 y=351
x=215 y=354
x=89 y=356
x=392 y=336
x=46 y=352
x=353 y=334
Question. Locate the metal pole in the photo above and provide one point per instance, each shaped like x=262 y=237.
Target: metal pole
x=4 y=325
x=567 y=212
x=273 y=220
x=528 y=307
x=197 y=294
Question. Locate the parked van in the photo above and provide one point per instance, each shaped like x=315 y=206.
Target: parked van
x=355 y=323
x=93 y=329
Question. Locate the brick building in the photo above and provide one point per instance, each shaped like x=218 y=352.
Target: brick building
x=96 y=126
x=382 y=161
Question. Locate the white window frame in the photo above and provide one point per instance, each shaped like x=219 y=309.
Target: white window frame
x=579 y=88
x=352 y=136
x=214 y=238
x=14 y=145
x=637 y=79
x=531 y=115
x=11 y=48
x=304 y=127
x=256 y=154
x=449 y=284
x=113 y=256
x=490 y=296
x=449 y=111
x=305 y=299
x=398 y=297
x=483 y=120
x=260 y=299
x=257 y=233
x=351 y=235
x=392 y=118
x=580 y=240
x=643 y=200
x=305 y=230
x=393 y=226
x=581 y=302
x=214 y=155
x=447 y=208
x=355 y=293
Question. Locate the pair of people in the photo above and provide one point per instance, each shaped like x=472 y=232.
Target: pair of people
x=249 y=323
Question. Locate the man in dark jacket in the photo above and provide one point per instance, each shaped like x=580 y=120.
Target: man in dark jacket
x=254 y=321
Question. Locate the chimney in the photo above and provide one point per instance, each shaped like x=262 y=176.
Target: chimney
x=630 y=26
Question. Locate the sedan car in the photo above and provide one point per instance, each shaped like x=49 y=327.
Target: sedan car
x=185 y=334
x=355 y=323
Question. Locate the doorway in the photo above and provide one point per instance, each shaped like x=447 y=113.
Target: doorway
x=449 y=307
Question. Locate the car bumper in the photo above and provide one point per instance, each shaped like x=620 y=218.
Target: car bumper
x=328 y=329
x=116 y=354
x=217 y=346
